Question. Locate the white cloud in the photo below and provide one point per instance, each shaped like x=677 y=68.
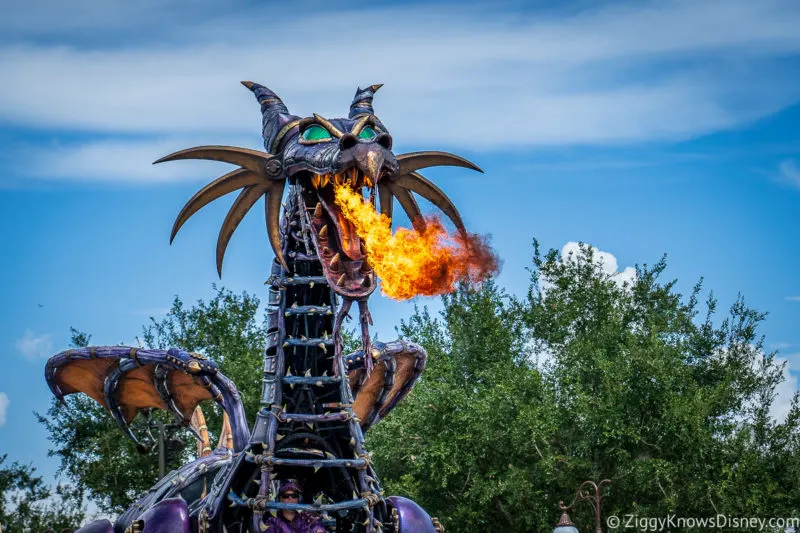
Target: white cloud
x=33 y=346
x=124 y=161
x=790 y=173
x=454 y=75
x=793 y=298
x=4 y=403
x=606 y=260
x=784 y=392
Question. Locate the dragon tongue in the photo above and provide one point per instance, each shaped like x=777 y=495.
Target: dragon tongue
x=349 y=241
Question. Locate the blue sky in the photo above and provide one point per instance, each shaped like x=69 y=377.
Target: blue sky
x=642 y=128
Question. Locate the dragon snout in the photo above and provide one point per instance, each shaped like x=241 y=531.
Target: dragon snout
x=373 y=159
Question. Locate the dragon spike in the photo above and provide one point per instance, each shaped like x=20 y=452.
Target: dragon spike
x=246 y=199
x=272 y=209
x=425 y=188
x=244 y=157
x=409 y=205
x=230 y=182
x=276 y=120
x=416 y=160
x=362 y=101
x=385 y=197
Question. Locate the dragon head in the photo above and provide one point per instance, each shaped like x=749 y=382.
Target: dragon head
x=315 y=155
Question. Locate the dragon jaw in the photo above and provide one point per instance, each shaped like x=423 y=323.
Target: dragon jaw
x=339 y=247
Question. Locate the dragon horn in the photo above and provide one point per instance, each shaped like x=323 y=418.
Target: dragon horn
x=230 y=182
x=416 y=160
x=362 y=101
x=275 y=115
x=425 y=188
x=239 y=209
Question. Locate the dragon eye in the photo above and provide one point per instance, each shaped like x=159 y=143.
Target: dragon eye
x=367 y=133
x=315 y=133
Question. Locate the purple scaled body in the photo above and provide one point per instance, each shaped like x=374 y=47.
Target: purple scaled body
x=98 y=526
x=413 y=518
x=167 y=516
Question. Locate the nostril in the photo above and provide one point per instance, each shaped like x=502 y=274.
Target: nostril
x=385 y=140
x=348 y=140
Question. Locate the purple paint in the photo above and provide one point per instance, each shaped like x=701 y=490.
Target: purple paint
x=413 y=518
x=98 y=526
x=167 y=516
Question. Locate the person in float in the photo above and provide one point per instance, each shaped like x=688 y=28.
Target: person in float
x=291 y=520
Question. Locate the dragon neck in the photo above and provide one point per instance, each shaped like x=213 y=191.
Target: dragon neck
x=300 y=335
x=306 y=401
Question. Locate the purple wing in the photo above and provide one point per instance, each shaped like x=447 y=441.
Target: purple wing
x=126 y=380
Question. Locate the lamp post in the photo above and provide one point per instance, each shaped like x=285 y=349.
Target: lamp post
x=589 y=491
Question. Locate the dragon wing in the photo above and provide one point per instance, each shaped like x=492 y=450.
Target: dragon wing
x=126 y=380
x=398 y=364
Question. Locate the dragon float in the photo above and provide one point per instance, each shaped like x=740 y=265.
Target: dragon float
x=316 y=402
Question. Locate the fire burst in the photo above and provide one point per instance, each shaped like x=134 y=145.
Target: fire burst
x=428 y=261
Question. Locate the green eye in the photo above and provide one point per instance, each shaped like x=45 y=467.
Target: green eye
x=367 y=133
x=315 y=133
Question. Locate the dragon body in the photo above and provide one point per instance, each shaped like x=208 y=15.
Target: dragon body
x=316 y=403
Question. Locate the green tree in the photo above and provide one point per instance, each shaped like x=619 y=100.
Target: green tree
x=28 y=505
x=92 y=450
x=468 y=443
x=589 y=378
x=584 y=377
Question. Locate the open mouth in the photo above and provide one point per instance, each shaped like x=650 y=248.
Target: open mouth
x=340 y=249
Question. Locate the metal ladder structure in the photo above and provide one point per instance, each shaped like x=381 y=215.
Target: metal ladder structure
x=306 y=428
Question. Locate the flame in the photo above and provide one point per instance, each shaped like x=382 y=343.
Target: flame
x=416 y=263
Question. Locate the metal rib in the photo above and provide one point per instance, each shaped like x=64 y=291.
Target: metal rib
x=385 y=198
x=109 y=393
x=246 y=199
x=231 y=181
x=160 y=375
x=425 y=188
x=416 y=160
x=409 y=205
x=244 y=157
x=272 y=210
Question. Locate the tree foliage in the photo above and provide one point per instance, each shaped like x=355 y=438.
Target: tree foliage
x=589 y=378
x=584 y=377
x=27 y=505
